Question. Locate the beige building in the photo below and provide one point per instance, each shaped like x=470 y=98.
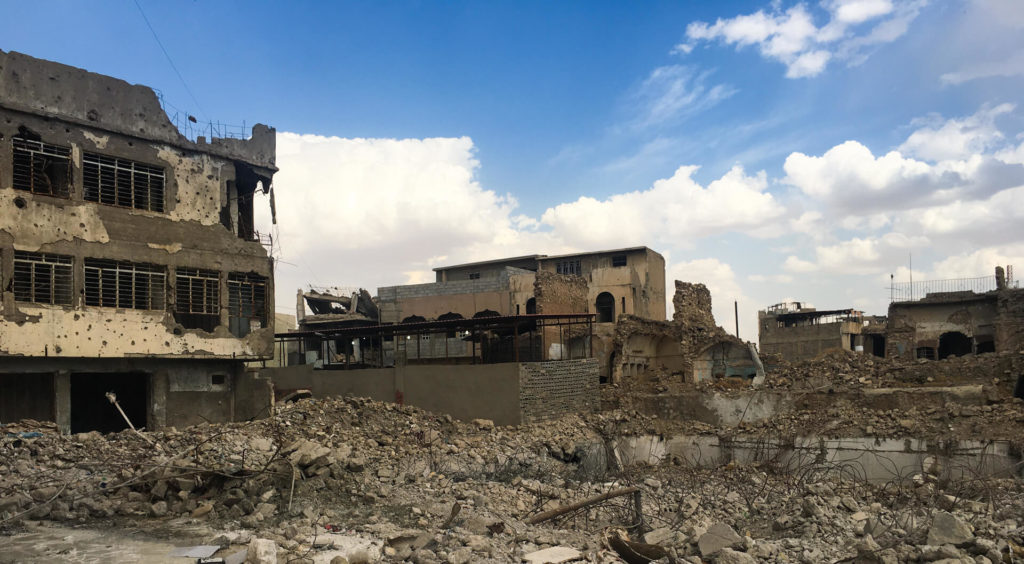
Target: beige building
x=128 y=257
x=799 y=333
x=604 y=283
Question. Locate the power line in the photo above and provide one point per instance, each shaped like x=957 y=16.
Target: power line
x=166 y=54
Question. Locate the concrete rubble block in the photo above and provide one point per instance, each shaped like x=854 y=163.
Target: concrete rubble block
x=949 y=529
x=353 y=548
x=261 y=551
x=665 y=537
x=719 y=536
x=730 y=556
x=553 y=555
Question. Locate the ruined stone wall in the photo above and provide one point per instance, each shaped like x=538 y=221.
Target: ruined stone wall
x=514 y=287
x=548 y=390
x=1010 y=320
x=197 y=226
x=693 y=316
x=560 y=293
x=804 y=341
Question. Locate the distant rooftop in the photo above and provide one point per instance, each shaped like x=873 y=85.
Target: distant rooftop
x=539 y=257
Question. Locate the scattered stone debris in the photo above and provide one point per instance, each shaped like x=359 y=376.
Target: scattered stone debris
x=353 y=480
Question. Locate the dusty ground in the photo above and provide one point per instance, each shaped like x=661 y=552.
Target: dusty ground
x=326 y=479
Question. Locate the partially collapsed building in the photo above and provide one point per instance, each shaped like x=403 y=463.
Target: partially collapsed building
x=796 y=332
x=129 y=262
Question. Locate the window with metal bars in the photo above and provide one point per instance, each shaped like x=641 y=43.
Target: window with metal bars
x=247 y=303
x=114 y=283
x=41 y=168
x=569 y=267
x=42 y=278
x=197 y=298
x=122 y=182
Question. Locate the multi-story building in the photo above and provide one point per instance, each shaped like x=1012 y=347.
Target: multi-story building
x=128 y=258
x=605 y=283
x=797 y=332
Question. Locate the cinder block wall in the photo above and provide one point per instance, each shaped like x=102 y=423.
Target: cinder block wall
x=554 y=388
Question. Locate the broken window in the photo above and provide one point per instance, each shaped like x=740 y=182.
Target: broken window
x=474 y=275
x=618 y=260
x=122 y=182
x=197 y=298
x=925 y=352
x=247 y=303
x=113 y=283
x=42 y=278
x=569 y=267
x=41 y=168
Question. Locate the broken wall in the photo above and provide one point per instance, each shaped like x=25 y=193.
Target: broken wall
x=1009 y=322
x=803 y=342
x=921 y=324
x=507 y=294
x=560 y=293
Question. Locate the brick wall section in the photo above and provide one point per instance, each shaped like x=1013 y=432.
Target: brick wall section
x=560 y=293
x=554 y=388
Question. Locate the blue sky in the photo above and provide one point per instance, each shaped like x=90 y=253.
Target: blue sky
x=825 y=142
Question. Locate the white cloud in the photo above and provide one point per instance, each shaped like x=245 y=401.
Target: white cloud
x=1012 y=65
x=956 y=138
x=674 y=211
x=671 y=93
x=776 y=278
x=867 y=255
x=792 y=38
x=796 y=264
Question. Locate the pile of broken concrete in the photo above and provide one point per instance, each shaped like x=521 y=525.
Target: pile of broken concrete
x=359 y=481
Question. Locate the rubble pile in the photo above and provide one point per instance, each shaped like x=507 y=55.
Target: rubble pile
x=368 y=481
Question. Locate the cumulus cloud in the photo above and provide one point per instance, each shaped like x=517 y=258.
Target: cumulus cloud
x=792 y=37
x=956 y=139
x=673 y=211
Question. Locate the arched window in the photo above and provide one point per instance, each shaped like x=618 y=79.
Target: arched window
x=414 y=319
x=531 y=306
x=486 y=313
x=605 y=305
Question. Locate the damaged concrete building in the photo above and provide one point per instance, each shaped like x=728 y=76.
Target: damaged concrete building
x=959 y=322
x=797 y=332
x=605 y=283
x=129 y=262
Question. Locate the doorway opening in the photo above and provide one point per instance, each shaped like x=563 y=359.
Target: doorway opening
x=92 y=411
x=954 y=343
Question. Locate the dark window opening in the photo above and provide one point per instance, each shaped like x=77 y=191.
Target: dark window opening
x=531 y=306
x=486 y=313
x=247 y=181
x=111 y=283
x=122 y=182
x=954 y=343
x=569 y=267
x=605 y=305
x=26 y=396
x=247 y=303
x=618 y=260
x=474 y=275
x=42 y=278
x=197 y=298
x=414 y=319
x=878 y=345
x=92 y=411
x=925 y=352
x=623 y=304
x=217 y=379
x=985 y=345
x=41 y=168
x=1018 y=388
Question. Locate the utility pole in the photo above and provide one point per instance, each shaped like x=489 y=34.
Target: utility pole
x=736 y=312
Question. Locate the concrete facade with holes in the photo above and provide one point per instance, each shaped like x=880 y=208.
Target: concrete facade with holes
x=128 y=256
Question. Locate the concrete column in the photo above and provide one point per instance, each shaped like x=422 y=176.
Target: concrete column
x=62 y=401
x=158 y=387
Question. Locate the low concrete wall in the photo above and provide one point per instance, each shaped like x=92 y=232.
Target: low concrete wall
x=507 y=393
x=483 y=391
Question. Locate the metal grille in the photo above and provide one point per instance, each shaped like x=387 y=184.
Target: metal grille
x=42 y=278
x=122 y=182
x=569 y=267
x=197 y=291
x=247 y=303
x=41 y=168
x=111 y=283
x=906 y=291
